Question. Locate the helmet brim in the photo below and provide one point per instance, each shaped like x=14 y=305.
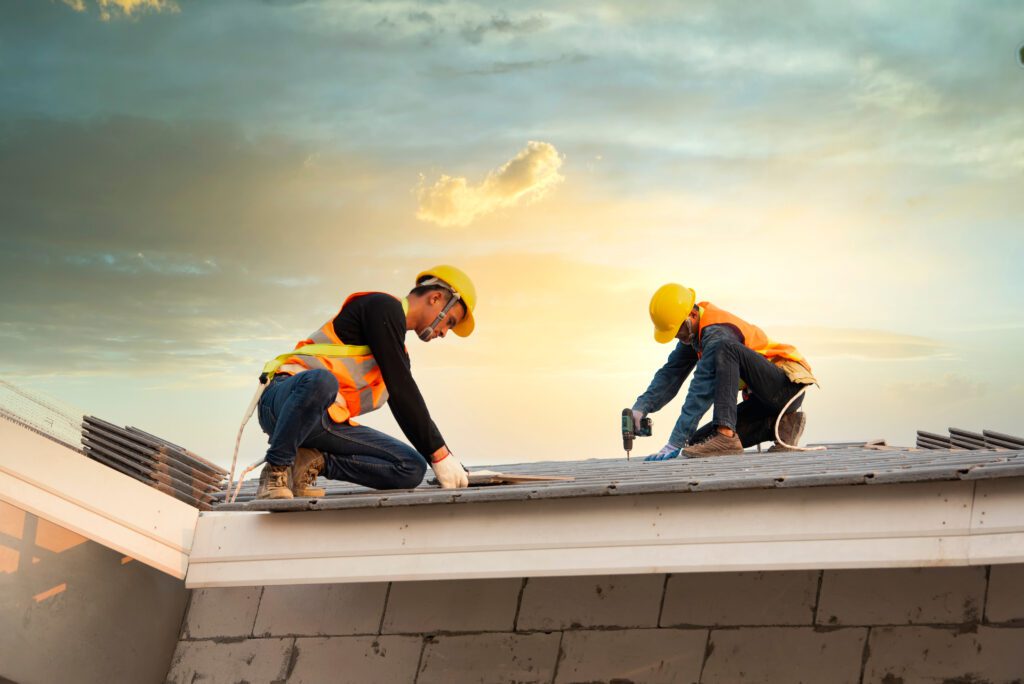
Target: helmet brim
x=664 y=336
x=465 y=327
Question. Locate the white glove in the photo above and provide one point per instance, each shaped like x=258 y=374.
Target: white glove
x=637 y=417
x=449 y=472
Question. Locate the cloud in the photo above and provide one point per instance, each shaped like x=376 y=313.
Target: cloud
x=889 y=89
x=852 y=343
x=112 y=9
x=528 y=64
x=527 y=177
x=421 y=17
x=475 y=33
x=145 y=247
x=950 y=387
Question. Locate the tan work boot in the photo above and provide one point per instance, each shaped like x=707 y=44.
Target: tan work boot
x=791 y=427
x=308 y=464
x=274 y=482
x=716 y=445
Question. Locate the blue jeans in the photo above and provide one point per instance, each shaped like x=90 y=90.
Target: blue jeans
x=770 y=388
x=293 y=412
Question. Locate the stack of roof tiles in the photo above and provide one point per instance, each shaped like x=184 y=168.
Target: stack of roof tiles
x=964 y=439
x=167 y=467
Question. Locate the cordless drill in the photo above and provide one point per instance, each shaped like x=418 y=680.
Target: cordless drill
x=629 y=432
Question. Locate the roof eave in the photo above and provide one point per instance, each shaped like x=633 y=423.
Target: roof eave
x=900 y=525
x=63 y=486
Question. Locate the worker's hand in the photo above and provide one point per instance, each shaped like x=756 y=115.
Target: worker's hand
x=669 y=451
x=450 y=473
x=637 y=417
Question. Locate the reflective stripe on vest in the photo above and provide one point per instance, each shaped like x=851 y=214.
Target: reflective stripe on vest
x=751 y=335
x=361 y=387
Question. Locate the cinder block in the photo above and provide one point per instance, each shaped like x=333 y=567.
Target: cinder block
x=356 y=660
x=933 y=654
x=213 y=662
x=494 y=657
x=902 y=596
x=321 y=609
x=225 y=612
x=740 y=598
x=452 y=606
x=1005 y=594
x=600 y=601
x=652 y=656
x=784 y=654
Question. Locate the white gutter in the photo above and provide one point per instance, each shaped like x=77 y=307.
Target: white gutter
x=865 y=526
x=63 y=486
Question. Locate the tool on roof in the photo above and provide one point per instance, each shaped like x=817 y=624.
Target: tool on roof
x=483 y=478
x=632 y=428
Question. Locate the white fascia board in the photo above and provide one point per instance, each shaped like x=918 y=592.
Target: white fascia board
x=898 y=525
x=73 y=491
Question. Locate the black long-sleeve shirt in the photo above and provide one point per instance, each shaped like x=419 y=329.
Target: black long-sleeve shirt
x=378 y=321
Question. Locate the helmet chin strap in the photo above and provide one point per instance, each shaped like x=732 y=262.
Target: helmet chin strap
x=428 y=332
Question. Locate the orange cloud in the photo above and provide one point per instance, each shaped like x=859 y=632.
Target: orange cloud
x=110 y=9
x=453 y=201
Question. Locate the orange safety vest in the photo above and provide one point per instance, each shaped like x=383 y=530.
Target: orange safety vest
x=751 y=335
x=361 y=387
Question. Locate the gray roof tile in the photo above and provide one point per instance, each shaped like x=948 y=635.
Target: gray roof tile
x=838 y=465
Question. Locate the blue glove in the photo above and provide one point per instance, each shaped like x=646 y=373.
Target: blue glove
x=669 y=451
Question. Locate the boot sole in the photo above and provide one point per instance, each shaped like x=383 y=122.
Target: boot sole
x=731 y=452
x=276 y=495
x=316 y=493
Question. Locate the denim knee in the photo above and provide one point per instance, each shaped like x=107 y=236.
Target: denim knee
x=411 y=474
x=728 y=349
x=321 y=383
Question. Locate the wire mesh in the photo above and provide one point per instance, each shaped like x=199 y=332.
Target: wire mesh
x=51 y=418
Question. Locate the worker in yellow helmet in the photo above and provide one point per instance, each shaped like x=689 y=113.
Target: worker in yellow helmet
x=353 y=364
x=725 y=354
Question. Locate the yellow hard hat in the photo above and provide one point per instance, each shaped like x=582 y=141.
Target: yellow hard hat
x=670 y=306
x=460 y=283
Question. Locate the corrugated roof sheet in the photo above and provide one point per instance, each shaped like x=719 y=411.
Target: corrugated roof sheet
x=845 y=464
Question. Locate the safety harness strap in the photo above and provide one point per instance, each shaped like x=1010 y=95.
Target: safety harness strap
x=328 y=350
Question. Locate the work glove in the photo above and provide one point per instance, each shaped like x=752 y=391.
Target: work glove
x=449 y=472
x=637 y=417
x=669 y=451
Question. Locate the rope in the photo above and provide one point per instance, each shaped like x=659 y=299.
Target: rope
x=778 y=420
x=238 y=440
x=241 y=478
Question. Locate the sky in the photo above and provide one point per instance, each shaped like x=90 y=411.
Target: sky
x=188 y=188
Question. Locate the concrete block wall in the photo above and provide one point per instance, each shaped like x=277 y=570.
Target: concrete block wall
x=963 y=625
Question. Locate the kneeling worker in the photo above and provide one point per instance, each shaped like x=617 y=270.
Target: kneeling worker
x=351 y=365
x=723 y=351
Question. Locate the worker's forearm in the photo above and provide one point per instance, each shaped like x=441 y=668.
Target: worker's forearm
x=668 y=380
